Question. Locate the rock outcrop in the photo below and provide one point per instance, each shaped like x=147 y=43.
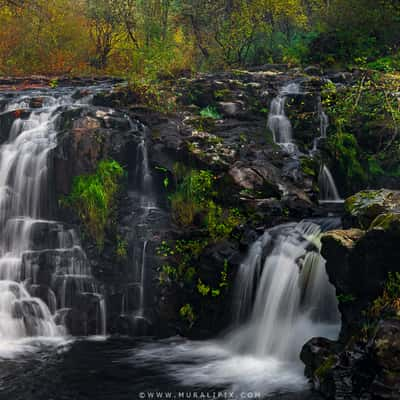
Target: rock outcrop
x=360 y=263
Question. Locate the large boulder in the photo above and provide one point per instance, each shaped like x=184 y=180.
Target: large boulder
x=363 y=207
x=358 y=264
x=256 y=178
x=365 y=362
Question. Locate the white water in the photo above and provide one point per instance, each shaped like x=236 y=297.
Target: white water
x=278 y=122
x=144 y=196
x=42 y=266
x=283 y=299
x=282 y=131
x=286 y=299
x=327 y=186
x=323 y=126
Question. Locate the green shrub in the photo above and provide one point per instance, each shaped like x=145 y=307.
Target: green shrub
x=385 y=64
x=344 y=149
x=220 y=222
x=190 y=196
x=187 y=314
x=93 y=197
x=195 y=196
x=210 y=112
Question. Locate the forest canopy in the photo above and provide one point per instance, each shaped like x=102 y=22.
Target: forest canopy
x=155 y=38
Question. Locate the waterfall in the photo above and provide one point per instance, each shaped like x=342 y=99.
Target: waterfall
x=143 y=195
x=283 y=296
x=282 y=299
x=43 y=269
x=323 y=125
x=327 y=186
x=324 y=121
x=278 y=122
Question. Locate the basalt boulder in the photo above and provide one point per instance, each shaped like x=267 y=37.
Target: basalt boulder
x=363 y=207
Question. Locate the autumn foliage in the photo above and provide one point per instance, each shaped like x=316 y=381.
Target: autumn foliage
x=152 y=38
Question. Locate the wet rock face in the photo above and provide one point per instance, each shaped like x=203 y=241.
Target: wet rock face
x=368 y=371
x=84 y=317
x=385 y=345
x=88 y=137
x=358 y=264
x=365 y=363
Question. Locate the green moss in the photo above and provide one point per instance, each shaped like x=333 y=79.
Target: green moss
x=203 y=123
x=365 y=205
x=222 y=94
x=345 y=150
x=309 y=166
x=121 y=248
x=323 y=370
x=93 y=198
x=386 y=221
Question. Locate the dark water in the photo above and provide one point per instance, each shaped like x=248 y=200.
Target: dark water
x=118 y=369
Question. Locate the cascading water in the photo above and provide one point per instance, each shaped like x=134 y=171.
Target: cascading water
x=327 y=186
x=42 y=266
x=146 y=216
x=323 y=125
x=283 y=298
x=278 y=122
x=283 y=294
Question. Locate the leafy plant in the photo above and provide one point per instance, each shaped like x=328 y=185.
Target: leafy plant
x=187 y=314
x=190 y=196
x=203 y=289
x=220 y=222
x=53 y=83
x=210 y=112
x=93 y=198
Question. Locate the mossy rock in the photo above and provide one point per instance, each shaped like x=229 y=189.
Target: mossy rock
x=390 y=221
x=325 y=368
x=367 y=205
x=342 y=239
x=223 y=94
x=309 y=166
x=202 y=123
